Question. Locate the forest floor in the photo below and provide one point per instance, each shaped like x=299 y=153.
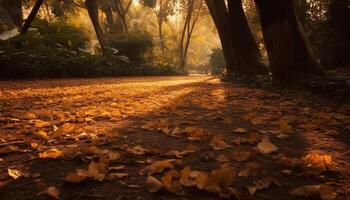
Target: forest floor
x=170 y=138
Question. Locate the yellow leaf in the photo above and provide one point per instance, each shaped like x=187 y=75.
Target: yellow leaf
x=42 y=135
x=51 y=153
x=14 y=173
x=153 y=185
x=318 y=161
x=42 y=124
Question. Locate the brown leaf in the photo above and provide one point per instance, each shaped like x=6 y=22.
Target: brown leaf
x=194 y=133
x=309 y=191
x=74 y=178
x=153 y=185
x=217 y=143
x=242 y=155
x=53 y=192
x=222 y=159
x=157 y=167
x=185 y=178
x=137 y=150
x=266 y=147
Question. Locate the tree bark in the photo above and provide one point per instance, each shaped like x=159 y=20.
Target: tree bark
x=92 y=8
x=160 y=16
x=248 y=53
x=14 y=9
x=31 y=16
x=220 y=16
x=290 y=55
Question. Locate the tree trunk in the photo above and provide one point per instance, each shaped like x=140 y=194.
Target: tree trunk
x=290 y=55
x=248 y=53
x=220 y=16
x=92 y=8
x=160 y=26
x=14 y=9
x=31 y=16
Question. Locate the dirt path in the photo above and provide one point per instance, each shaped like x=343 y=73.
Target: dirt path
x=212 y=139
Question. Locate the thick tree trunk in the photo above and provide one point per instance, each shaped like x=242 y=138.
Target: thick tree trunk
x=14 y=9
x=248 y=53
x=31 y=16
x=240 y=50
x=92 y=8
x=218 y=11
x=290 y=55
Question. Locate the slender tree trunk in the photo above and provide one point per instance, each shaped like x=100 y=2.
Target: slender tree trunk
x=290 y=55
x=110 y=20
x=92 y=8
x=31 y=16
x=160 y=26
x=181 y=64
x=248 y=53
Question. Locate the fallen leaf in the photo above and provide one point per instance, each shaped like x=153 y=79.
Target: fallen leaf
x=170 y=183
x=201 y=179
x=323 y=191
x=42 y=124
x=318 y=162
x=266 y=147
x=194 y=133
x=137 y=150
x=9 y=149
x=248 y=169
x=185 y=178
x=74 y=178
x=51 y=153
x=42 y=135
x=113 y=176
x=153 y=185
x=53 y=192
x=217 y=143
x=157 y=167
x=222 y=159
x=242 y=155
x=261 y=184
x=240 y=130
x=95 y=171
x=14 y=173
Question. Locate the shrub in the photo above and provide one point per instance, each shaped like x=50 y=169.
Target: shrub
x=136 y=45
x=217 y=62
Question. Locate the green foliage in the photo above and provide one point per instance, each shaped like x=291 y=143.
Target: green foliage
x=217 y=62
x=136 y=45
x=56 y=50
